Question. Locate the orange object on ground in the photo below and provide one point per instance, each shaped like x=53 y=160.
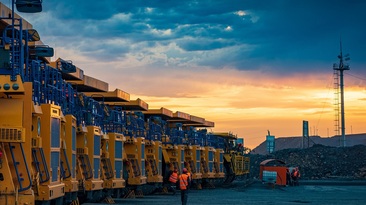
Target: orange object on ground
x=277 y=166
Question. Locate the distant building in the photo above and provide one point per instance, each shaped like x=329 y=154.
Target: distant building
x=270 y=140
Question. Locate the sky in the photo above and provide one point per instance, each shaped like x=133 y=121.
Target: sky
x=249 y=65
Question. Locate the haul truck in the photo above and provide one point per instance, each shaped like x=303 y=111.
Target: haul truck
x=197 y=156
x=208 y=153
x=68 y=130
x=89 y=115
x=175 y=125
x=218 y=144
x=173 y=148
x=134 y=146
x=194 y=149
x=46 y=121
x=114 y=127
x=89 y=149
x=153 y=150
x=235 y=163
x=156 y=169
x=48 y=164
x=156 y=120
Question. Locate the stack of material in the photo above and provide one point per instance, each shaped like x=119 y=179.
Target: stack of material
x=319 y=162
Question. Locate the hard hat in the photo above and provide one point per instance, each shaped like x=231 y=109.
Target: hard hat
x=185 y=170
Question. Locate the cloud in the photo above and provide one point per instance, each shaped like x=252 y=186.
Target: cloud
x=281 y=37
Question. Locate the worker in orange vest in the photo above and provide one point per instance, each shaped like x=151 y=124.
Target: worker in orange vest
x=295 y=175
x=173 y=178
x=184 y=183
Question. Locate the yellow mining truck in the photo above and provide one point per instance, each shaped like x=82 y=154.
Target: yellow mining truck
x=192 y=151
x=172 y=152
x=204 y=152
x=89 y=134
x=112 y=143
x=134 y=147
x=235 y=162
x=156 y=125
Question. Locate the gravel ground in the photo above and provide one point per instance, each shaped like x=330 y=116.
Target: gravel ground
x=259 y=193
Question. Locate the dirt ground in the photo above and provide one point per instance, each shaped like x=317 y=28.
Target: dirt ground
x=258 y=193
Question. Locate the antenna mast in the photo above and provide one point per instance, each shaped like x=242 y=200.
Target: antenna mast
x=340 y=68
x=336 y=102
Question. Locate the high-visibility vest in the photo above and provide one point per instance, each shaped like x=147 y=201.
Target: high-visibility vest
x=183 y=181
x=173 y=177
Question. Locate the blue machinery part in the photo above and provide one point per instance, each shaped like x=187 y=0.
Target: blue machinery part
x=156 y=128
x=66 y=66
x=29 y=6
x=42 y=51
x=40 y=164
x=115 y=122
x=12 y=147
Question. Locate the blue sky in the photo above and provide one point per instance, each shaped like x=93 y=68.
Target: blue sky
x=242 y=64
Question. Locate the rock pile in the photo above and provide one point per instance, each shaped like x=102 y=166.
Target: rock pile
x=319 y=161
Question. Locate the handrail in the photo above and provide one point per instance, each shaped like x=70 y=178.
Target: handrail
x=21 y=188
